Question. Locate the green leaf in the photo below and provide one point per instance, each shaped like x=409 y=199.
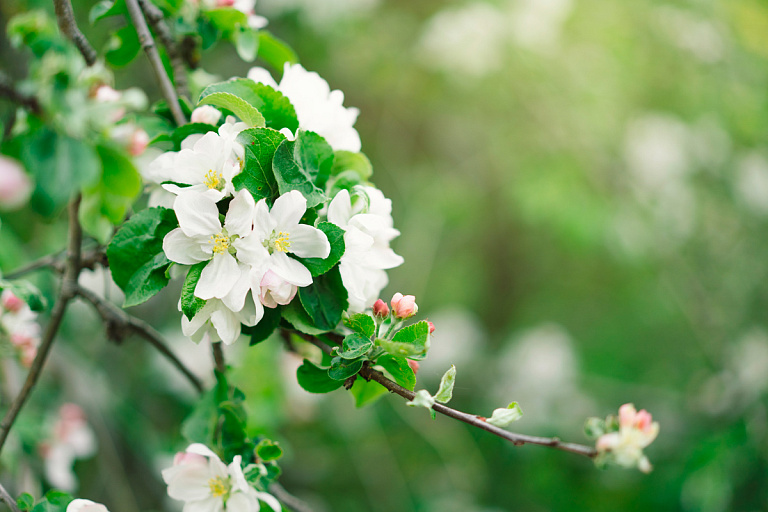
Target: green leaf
x=594 y=427
x=26 y=292
x=366 y=392
x=273 y=105
x=191 y=305
x=275 y=52
x=358 y=163
x=411 y=341
x=25 y=501
x=268 y=450
x=399 y=369
x=315 y=379
x=266 y=326
x=58 y=498
x=60 y=165
x=502 y=418
x=361 y=323
x=422 y=399
x=325 y=300
x=445 y=391
x=342 y=369
x=198 y=427
x=241 y=108
x=246 y=42
x=290 y=175
x=123 y=47
x=257 y=177
x=319 y=266
x=227 y=19
x=315 y=156
x=106 y=8
x=136 y=256
x=355 y=345
x=185 y=130
x=295 y=314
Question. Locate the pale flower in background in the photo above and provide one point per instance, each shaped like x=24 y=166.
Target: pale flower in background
x=538 y=24
x=322 y=16
x=205 y=114
x=18 y=323
x=15 y=184
x=636 y=431
x=318 y=108
x=368 y=232
x=71 y=438
x=81 y=505
x=752 y=182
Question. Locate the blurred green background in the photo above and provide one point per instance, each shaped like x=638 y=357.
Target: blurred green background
x=582 y=191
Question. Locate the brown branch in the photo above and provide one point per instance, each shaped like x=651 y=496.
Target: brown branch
x=157 y=21
x=283 y=496
x=120 y=324
x=7 y=498
x=7 y=90
x=148 y=44
x=67 y=293
x=68 y=26
x=218 y=357
x=57 y=262
x=369 y=373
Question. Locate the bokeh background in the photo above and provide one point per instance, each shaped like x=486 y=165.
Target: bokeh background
x=582 y=191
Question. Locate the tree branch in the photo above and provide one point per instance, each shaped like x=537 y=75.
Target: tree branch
x=7 y=90
x=369 y=373
x=288 y=499
x=68 y=26
x=120 y=324
x=67 y=292
x=7 y=498
x=148 y=44
x=89 y=260
x=157 y=21
x=218 y=357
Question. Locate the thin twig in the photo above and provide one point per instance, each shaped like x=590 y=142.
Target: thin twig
x=89 y=260
x=148 y=43
x=6 y=497
x=369 y=373
x=67 y=292
x=7 y=90
x=68 y=26
x=286 y=498
x=218 y=357
x=120 y=324
x=157 y=21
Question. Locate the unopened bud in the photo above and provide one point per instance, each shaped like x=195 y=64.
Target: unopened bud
x=431 y=327
x=404 y=306
x=206 y=114
x=11 y=302
x=380 y=309
x=139 y=142
x=106 y=94
x=15 y=185
x=414 y=366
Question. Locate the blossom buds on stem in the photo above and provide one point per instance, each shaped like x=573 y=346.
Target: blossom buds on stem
x=380 y=309
x=404 y=306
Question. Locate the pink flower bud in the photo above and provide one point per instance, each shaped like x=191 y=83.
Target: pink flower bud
x=404 y=306
x=206 y=114
x=106 y=94
x=15 y=185
x=380 y=309
x=225 y=3
x=139 y=142
x=11 y=302
x=431 y=327
x=414 y=366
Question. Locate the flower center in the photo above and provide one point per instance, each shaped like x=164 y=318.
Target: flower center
x=279 y=242
x=219 y=488
x=214 y=179
x=220 y=243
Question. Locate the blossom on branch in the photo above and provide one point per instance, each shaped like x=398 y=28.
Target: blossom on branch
x=622 y=442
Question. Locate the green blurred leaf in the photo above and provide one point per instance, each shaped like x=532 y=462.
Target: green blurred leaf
x=266 y=326
x=123 y=47
x=227 y=19
x=358 y=163
x=399 y=369
x=366 y=392
x=325 y=300
x=191 y=305
x=25 y=501
x=361 y=323
x=319 y=266
x=295 y=314
x=268 y=450
x=238 y=106
x=275 y=52
x=246 y=42
x=257 y=176
x=106 y=8
x=136 y=256
x=315 y=379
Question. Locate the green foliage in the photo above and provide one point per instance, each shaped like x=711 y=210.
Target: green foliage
x=276 y=108
x=319 y=266
x=411 y=341
x=136 y=255
x=177 y=136
x=361 y=323
x=274 y=51
x=325 y=300
x=266 y=326
x=268 y=450
x=445 y=392
x=25 y=502
x=398 y=368
x=366 y=392
x=502 y=418
x=227 y=19
x=342 y=369
x=122 y=47
x=257 y=177
x=347 y=161
x=297 y=165
x=238 y=106
x=191 y=305
x=355 y=345
x=107 y=8
x=53 y=501
x=246 y=42
x=315 y=379
x=295 y=314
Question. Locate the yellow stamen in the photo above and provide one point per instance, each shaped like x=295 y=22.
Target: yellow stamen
x=214 y=179
x=220 y=243
x=218 y=487
x=281 y=243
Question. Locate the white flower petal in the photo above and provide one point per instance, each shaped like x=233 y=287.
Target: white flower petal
x=239 y=218
x=261 y=75
x=309 y=242
x=340 y=209
x=290 y=269
x=235 y=299
x=227 y=325
x=263 y=224
x=269 y=500
x=182 y=249
x=288 y=210
x=218 y=277
x=197 y=214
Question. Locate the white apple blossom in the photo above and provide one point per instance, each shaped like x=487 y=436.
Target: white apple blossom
x=368 y=232
x=81 y=505
x=200 y=479
x=71 y=438
x=318 y=109
x=217 y=322
x=18 y=324
x=636 y=431
x=205 y=114
x=274 y=276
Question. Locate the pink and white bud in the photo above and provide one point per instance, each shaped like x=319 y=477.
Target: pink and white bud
x=206 y=114
x=276 y=290
x=11 y=302
x=85 y=506
x=414 y=366
x=380 y=309
x=225 y=3
x=139 y=142
x=431 y=327
x=404 y=306
x=15 y=185
x=189 y=459
x=106 y=94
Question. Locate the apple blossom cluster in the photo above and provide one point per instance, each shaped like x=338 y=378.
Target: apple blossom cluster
x=621 y=440
x=19 y=327
x=71 y=438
